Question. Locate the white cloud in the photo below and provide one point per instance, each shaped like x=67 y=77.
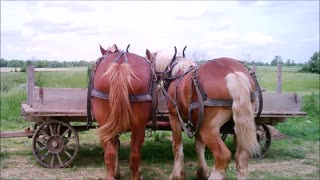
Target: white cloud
x=256 y=38
x=73 y=30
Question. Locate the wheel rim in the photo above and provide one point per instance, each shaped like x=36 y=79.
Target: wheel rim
x=264 y=139
x=55 y=144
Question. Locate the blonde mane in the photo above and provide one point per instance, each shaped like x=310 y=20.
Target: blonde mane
x=163 y=59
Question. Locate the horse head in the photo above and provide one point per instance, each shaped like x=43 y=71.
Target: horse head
x=168 y=65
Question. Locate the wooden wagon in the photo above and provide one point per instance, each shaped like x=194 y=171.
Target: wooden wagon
x=55 y=141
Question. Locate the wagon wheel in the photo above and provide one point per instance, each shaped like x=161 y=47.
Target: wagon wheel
x=264 y=139
x=55 y=144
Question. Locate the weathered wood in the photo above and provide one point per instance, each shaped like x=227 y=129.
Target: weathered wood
x=279 y=78
x=72 y=102
x=30 y=84
x=162 y=103
x=281 y=103
x=254 y=68
x=60 y=99
x=26 y=133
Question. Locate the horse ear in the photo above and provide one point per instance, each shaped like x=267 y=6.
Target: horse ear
x=148 y=54
x=114 y=48
x=103 y=51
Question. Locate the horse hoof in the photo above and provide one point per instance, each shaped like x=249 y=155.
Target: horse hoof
x=117 y=177
x=202 y=174
x=177 y=177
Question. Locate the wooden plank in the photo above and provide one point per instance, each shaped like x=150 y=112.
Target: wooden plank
x=30 y=84
x=60 y=99
x=26 y=109
x=11 y=134
x=162 y=102
x=276 y=102
x=279 y=78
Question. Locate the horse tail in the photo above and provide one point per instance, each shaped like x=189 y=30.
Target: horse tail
x=119 y=76
x=243 y=111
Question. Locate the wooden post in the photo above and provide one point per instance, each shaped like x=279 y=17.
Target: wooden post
x=279 y=78
x=254 y=68
x=30 y=84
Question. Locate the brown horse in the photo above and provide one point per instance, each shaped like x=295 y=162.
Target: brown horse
x=121 y=102
x=200 y=100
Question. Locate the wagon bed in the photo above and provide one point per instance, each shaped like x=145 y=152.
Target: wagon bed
x=70 y=104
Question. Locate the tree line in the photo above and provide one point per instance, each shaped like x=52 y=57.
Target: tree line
x=43 y=63
x=313 y=64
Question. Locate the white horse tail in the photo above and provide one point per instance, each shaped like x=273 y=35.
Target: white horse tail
x=243 y=111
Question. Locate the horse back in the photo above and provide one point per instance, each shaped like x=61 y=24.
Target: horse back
x=140 y=81
x=213 y=73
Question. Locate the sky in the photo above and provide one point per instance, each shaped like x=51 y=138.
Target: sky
x=245 y=30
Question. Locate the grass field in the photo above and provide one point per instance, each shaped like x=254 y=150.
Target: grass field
x=294 y=157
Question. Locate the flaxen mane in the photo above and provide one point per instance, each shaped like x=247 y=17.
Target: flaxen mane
x=163 y=60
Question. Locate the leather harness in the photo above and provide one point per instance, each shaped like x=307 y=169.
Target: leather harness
x=150 y=96
x=189 y=128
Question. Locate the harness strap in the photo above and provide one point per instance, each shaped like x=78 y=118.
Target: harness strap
x=184 y=127
x=201 y=98
x=125 y=57
x=90 y=87
x=217 y=102
x=153 y=97
x=259 y=93
x=133 y=98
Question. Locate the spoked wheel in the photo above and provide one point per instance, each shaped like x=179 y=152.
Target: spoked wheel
x=55 y=144
x=264 y=139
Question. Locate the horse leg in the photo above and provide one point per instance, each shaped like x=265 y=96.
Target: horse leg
x=242 y=157
x=202 y=172
x=137 y=139
x=110 y=157
x=210 y=133
x=117 y=173
x=177 y=148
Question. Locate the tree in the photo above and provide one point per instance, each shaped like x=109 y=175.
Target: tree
x=3 y=63
x=288 y=62
x=277 y=60
x=313 y=65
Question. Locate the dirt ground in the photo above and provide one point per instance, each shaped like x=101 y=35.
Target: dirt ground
x=17 y=162
x=21 y=168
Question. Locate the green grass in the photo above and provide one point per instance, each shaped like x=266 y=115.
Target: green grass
x=292 y=80
x=63 y=79
x=305 y=128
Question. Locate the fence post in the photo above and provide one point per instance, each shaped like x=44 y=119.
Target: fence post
x=254 y=68
x=279 y=78
x=30 y=84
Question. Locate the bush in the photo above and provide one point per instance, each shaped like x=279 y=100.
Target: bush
x=23 y=69
x=313 y=65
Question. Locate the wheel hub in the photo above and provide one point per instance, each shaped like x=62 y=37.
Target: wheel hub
x=55 y=144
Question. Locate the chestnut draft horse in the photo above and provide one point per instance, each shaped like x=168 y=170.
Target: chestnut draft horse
x=200 y=100
x=121 y=102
